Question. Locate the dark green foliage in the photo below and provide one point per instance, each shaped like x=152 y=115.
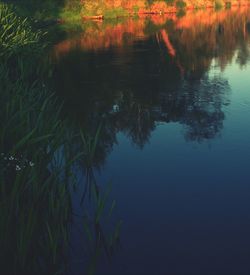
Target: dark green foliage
x=180 y=13
x=180 y=4
x=170 y=2
x=228 y=5
x=150 y=2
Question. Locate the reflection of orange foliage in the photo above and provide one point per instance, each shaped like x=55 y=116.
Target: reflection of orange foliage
x=205 y=31
x=171 y=49
x=201 y=18
x=168 y=44
x=100 y=37
x=162 y=19
x=212 y=34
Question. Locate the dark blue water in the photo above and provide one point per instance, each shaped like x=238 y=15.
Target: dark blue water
x=175 y=140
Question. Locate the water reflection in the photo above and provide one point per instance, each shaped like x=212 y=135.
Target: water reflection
x=131 y=75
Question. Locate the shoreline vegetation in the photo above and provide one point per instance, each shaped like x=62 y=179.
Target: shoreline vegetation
x=38 y=162
x=59 y=12
x=119 y=8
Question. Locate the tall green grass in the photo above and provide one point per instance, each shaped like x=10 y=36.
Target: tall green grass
x=16 y=35
x=34 y=199
x=36 y=157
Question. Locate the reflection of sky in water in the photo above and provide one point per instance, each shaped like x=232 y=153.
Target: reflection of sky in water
x=185 y=205
x=182 y=186
x=236 y=125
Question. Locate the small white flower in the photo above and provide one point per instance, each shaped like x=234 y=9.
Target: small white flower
x=31 y=164
x=18 y=168
x=11 y=158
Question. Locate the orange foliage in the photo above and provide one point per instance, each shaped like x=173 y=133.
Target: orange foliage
x=157 y=7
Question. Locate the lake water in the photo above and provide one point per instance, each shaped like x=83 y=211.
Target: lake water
x=173 y=97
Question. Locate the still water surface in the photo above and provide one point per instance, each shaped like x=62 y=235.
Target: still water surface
x=173 y=97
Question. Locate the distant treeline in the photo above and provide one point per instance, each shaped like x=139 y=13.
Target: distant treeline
x=73 y=10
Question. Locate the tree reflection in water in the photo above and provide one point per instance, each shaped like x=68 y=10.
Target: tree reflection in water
x=137 y=73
